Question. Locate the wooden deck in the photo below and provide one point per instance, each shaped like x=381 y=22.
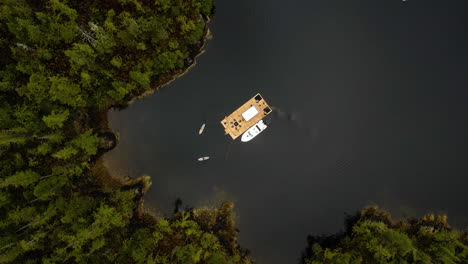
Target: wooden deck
x=235 y=124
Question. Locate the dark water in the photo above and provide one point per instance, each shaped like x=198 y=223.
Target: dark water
x=371 y=108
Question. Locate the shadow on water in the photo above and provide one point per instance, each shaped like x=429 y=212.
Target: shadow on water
x=179 y=206
x=295 y=121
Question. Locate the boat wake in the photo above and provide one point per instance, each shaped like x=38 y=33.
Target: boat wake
x=294 y=119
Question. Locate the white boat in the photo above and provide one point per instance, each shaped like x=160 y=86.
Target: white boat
x=203 y=158
x=201 y=129
x=253 y=131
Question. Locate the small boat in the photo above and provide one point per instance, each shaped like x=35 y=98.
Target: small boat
x=203 y=158
x=201 y=129
x=253 y=131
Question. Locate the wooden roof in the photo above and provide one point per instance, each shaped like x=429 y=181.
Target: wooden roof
x=235 y=124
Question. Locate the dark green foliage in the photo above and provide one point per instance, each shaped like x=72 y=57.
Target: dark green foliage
x=56 y=118
x=192 y=243
x=64 y=61
x=373 y=237
x=63 y=90
x=81 y=55
x=20 y=179
x=206 y=7
x=143 y=79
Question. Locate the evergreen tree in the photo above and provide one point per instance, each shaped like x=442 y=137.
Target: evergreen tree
x=56 y=119
x=20 y=179
x=65 y=62
x=373 y=237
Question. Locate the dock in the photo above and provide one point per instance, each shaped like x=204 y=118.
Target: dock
x=246 y=116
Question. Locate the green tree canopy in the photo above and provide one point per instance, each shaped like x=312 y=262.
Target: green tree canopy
x=56 y=118
x=373 y=237
x=64 y=63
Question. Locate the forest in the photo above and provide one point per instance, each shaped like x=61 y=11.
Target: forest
x=63 y=64
x=372 y=236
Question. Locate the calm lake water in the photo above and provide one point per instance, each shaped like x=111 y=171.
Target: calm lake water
x=370 y=105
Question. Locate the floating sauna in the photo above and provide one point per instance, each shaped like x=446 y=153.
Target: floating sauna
x=246 y=116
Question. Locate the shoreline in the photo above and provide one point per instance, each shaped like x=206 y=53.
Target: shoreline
x=106 y=176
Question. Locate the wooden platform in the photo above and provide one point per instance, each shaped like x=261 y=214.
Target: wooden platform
x=235 y=124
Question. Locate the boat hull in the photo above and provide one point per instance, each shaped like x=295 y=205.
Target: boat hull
x=253 y=131
x=200 y=131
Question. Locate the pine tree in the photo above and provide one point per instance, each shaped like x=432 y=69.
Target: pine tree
x=87 y=142
x=56 y=118
x=66 y=92
x=20 y=179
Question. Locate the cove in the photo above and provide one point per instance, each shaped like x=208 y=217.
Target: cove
x=370 y=108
